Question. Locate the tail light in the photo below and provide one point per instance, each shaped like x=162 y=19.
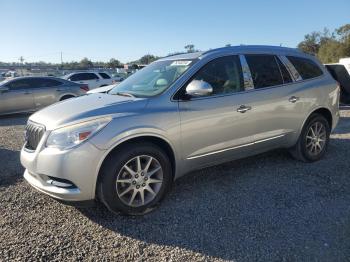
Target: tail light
x=85 y=88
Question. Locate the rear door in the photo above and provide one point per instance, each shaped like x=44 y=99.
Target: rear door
x=47 y=91
x=214 y=128
x=277 y=106
x=18 y=97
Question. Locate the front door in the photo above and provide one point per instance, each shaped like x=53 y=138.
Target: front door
x=17 y=98
x=219 y=126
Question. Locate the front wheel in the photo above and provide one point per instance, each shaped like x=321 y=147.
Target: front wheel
x=313 y=141
x=135 y=179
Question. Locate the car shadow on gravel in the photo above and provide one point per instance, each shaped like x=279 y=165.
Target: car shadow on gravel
x=267 y=207
x=10 y=167
x=14 y=120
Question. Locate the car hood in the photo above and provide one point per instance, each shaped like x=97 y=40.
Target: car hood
x=87 y=107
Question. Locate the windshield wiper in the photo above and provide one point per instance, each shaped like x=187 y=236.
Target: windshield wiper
x=124 y=94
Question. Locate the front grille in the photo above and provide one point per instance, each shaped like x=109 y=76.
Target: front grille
x=34 y=133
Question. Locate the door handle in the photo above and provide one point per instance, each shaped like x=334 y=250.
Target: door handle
x=243 y=108
x=293 y=99
x=59 y=90
x=27 y=93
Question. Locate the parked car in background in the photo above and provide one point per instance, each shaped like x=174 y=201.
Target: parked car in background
x=92 y=79
x=119 y=77
x=346 y=62
x=26 y=94
x=339 y=73
x=178 y=114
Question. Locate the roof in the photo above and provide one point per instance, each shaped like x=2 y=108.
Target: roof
x=183 y=56
x=255 y=48
x=241 y=48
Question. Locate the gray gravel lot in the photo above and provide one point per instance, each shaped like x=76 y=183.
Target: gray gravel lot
x=266 y=208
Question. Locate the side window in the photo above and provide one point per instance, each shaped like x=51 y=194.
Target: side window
x=306 y=67
x=19 y=84
x=265 y=71
x=284 y=72
x=44 y=82
x=52 y=83
x=91 y=76
x=104 y=76
x=223 y=74
x=77 y=77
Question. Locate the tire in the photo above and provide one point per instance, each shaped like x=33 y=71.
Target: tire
x=306 y=149
x=66 y=97
x=112 y=193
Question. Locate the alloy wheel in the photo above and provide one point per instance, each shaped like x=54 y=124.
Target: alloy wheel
x=316 y=138
x=139 y=181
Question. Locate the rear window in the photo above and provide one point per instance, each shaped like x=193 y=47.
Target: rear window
x=50 y=83
x=264 y=70
x=306 y=67
x=83 y=76
x=105 y=76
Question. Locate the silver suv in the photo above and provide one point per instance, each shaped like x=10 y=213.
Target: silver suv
x=179 y=114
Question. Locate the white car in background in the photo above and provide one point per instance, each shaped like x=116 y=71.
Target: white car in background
x=103 y=89
x=91 y=79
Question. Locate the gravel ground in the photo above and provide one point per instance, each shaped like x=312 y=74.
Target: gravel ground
x=268 y=208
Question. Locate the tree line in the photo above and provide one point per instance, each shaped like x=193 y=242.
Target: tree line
x=326 y=45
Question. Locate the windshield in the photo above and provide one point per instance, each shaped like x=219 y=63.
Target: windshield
x=153 y=79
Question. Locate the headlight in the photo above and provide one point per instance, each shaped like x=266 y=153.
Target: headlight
x=70 y=136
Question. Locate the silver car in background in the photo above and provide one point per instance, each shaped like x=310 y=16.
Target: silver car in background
x=179 y=114
x=27 y=94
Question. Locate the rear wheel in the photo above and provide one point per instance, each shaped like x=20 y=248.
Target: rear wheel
x=135 y=179
x=313 y=141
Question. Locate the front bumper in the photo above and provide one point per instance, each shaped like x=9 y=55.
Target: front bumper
x=79 y=165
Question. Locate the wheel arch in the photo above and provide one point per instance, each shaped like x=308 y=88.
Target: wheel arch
x=69 y=95
x=154 y=139
x=324 y=112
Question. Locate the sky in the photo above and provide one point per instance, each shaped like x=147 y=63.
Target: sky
x=39 y=30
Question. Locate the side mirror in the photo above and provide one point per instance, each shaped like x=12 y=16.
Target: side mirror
x=198 y=88
x=4 y=89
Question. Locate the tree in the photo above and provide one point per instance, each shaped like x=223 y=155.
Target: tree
x=343 y=32
x=331 y=51
x=113 y=63
x=328 y=46
x=85 y=63
x=190 y=48
x=147 y=59
x=311 y=43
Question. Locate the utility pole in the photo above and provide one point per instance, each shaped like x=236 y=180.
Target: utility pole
x=21 y=59
x=61 y=59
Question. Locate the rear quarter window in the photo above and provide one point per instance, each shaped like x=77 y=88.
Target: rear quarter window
x=306 y=67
